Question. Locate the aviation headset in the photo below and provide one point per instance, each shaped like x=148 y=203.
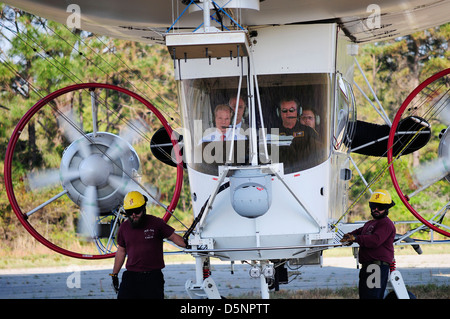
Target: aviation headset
x=299 y=108
x=316 y=116
x=300 y=111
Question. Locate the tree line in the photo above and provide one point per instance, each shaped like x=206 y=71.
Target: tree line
x=38 y=57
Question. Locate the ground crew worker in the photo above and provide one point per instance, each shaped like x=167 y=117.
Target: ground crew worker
x=376 y=246
x=141 y=239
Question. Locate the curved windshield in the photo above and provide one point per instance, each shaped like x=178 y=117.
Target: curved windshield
x=344 y=124
x=279 y=119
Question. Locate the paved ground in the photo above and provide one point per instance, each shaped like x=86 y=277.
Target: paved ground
x=94 y=282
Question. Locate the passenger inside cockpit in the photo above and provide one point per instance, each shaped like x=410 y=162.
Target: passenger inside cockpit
x=305 y=146
x=309 y=118
x=291 y=125
x=222 y=120
x=241 y=106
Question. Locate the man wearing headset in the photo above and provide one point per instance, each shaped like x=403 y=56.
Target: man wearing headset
x=291 y=124
x=308 y=118
x=376 y=246
x=304 y=151
x=141 y=239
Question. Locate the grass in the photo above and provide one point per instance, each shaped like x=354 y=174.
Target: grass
x=430 y=291
x=40 y=256
x=399 y=250
x=36 y=255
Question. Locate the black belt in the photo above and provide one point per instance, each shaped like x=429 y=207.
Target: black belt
x=144 y=272
x=376 y=262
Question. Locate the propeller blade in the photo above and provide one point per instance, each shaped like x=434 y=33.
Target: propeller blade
x=120 y=183
x=442 y=108
x=70 y=175
x=88 y=224
x=431 y=172
x=42 y=179
x=126 y=185
x=117 y=148
x=134 y=131
x=73 y=132
x=155 y=194
x=50 y=178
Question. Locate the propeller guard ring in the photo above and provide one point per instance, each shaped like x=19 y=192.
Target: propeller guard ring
x=23 y=218
x=390 y=156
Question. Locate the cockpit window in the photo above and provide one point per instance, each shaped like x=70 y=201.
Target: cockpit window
x=283 y=120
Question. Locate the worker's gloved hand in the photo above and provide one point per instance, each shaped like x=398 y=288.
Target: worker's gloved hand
x=348 y=239
x=115 y=282
x=186 y=241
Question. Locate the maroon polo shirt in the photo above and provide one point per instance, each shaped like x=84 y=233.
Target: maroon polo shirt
x=144 y=245
x=376 y=240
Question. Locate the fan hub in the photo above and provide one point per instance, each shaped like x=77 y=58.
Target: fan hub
x=94 y=170
x=98 y=158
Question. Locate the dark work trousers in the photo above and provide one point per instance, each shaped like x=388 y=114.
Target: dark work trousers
x=142 y=285
x=372 y=281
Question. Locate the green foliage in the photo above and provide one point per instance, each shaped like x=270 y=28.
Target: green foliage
x=38 y=57
x=394 y=68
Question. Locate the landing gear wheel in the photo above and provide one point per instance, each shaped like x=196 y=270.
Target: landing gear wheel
x=429 y=107
x=88 y=168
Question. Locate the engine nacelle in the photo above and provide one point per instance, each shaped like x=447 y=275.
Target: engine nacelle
x=103 y=160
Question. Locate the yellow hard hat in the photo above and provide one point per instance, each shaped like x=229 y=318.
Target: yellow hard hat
x=133 y=200
x=381 y=196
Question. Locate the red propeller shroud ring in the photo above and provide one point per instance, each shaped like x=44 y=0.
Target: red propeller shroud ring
x=27 y=117
x=392 y=132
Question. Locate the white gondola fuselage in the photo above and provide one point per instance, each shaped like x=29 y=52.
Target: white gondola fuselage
x=264 y=193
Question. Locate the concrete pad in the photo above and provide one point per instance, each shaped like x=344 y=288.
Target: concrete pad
x=93 y=282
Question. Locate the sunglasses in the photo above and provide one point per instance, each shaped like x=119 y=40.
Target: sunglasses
x=135 y=211
x=291 y=110
x=379 y=207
